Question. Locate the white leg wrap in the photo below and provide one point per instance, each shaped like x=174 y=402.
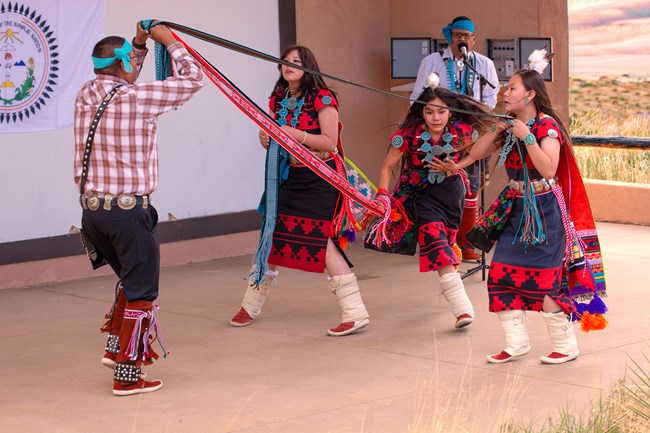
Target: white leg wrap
x=513 y=323
x=254 y=297
x=560 y=329
x=347 y=293
x=453 y=289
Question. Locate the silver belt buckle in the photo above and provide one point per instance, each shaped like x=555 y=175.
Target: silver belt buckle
x=145 y=201
x=126 y=201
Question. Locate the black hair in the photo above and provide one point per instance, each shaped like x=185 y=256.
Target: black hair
x=460 y=18
x=532 y=80
x=452 y=100
x=104 y=49
x=308 y=81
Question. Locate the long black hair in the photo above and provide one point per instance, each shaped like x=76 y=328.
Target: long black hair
x=308 y=81
x=532 y=80
x=415 y=115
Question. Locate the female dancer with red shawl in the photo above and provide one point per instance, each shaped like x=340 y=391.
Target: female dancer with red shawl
x=530 y=267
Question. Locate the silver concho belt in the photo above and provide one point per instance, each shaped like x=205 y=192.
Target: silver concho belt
x=123 y=201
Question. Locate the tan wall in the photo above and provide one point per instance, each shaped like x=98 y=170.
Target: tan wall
x=351 y=39
x=171 y=254
x=619 y=202
x=507 y=19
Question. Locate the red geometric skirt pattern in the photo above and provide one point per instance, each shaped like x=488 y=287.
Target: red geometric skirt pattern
x=518 y=288
x=300 y=243
x=435 y=241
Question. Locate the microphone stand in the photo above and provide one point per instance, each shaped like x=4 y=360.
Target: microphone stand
x=481 y=167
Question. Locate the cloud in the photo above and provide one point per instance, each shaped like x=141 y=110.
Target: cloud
x=603 y=14
x=610 y=36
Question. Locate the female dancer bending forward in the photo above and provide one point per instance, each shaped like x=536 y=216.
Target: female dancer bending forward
x=431 y=186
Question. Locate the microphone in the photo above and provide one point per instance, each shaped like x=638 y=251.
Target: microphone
x=462 y=47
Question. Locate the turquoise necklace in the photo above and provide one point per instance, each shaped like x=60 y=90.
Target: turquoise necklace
x=466 y=81
x=509 y=140
x=290 y=103
x=436 y=150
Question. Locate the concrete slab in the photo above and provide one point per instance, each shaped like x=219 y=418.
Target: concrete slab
x=407 y=371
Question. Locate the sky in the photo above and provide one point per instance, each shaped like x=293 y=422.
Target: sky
x=609 y=37
x=580 y=4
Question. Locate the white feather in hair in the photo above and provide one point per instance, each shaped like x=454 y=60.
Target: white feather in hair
x=539 y=60
x=433 y=81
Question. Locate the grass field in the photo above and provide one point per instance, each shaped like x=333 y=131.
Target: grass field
x=611 y=106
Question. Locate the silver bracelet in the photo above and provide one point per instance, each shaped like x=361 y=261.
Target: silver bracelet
x=529 y=139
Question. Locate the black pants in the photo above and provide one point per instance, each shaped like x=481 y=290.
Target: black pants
x=129 y=241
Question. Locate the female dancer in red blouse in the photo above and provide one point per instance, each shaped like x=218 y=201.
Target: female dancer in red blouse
x=429 y=144
x=303 y=237
x=531 y=258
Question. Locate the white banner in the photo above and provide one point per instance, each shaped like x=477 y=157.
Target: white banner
x=45 y=49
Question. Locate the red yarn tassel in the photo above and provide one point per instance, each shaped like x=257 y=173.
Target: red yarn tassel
x=459 y=254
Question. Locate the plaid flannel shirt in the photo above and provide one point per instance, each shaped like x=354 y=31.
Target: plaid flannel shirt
x=124 y=156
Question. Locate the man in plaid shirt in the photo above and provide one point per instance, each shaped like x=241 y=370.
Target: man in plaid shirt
x=121 y=175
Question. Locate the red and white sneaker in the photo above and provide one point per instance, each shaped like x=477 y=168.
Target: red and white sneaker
x=558 y=358
x=242 y=318
x=140 y=387
x=504 y=356
x=464 y=320
x=346 y=328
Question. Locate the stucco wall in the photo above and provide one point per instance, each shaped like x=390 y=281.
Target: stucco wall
x=352 y=40
x=619 y=202
x=203 y=146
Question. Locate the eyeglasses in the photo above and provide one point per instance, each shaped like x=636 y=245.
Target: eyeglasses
x=458 y=35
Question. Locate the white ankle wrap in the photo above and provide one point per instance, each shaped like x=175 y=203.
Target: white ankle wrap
x=254 y=297
x=347 y=293
x=453 y=289
x=560 y=329
x=513 y=323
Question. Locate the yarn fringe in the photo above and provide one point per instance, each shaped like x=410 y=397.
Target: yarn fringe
x=591 y=315
x=106 y=327
x=271 y=187
x=458 y=253
x=531 y=226
x=592 y=322
x=393 y=211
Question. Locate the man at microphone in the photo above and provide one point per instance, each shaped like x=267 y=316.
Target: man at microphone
x=455 y=74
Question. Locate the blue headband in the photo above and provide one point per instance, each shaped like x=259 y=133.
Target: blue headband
x=120 y=54
x=458 y=25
